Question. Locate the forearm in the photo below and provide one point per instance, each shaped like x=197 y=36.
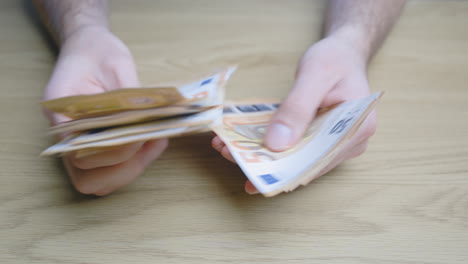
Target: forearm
x=364 y=23
x=64 y=17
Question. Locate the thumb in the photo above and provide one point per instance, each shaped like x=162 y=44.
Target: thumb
x=296 y=112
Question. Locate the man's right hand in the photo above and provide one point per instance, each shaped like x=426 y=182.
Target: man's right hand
x=92 y=60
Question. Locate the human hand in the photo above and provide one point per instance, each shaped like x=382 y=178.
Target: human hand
x=92 y=60
x=331 y=71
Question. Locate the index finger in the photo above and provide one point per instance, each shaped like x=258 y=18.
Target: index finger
x=106 y=157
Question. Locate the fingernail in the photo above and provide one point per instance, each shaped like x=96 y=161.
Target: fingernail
x=250 y=189
x=251 y=192
x=279 y=137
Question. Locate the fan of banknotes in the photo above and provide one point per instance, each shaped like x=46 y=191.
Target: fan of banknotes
x=123 y=116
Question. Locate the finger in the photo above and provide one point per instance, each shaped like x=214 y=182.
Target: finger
x=217 y=143
x=296 y=112
x=352 y=153
x=366 y=130
x=356 y=146
x=358 y=142
x=250 y=188
x=152 y=150
x=106 y=158
x=227 y=154
x=104 y=180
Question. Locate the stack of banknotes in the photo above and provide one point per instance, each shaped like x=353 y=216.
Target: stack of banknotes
x=130 y=115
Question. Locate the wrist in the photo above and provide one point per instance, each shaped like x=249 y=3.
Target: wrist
x=64 y=17
x=76 y=19
x=72 y=31
x=84 y=39
x=94 y=43
x=355 y=39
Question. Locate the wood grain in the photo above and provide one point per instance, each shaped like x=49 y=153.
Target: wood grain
x=404 y=201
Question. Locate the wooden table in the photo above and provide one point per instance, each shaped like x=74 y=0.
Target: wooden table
x=404 y=201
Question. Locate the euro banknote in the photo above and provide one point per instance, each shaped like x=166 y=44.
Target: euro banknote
x=116 y=118
x=203 y=92
x=128 y=115
x=120 y=135
x=244 y=126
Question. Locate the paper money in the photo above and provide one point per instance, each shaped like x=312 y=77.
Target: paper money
x=116 y=136
x=125 y=118
x=67 y=146
x=203 y=92
x=117 y=118
x=82 y=106
x=244 y=127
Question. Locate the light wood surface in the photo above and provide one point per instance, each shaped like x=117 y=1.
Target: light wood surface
x=404 y=201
